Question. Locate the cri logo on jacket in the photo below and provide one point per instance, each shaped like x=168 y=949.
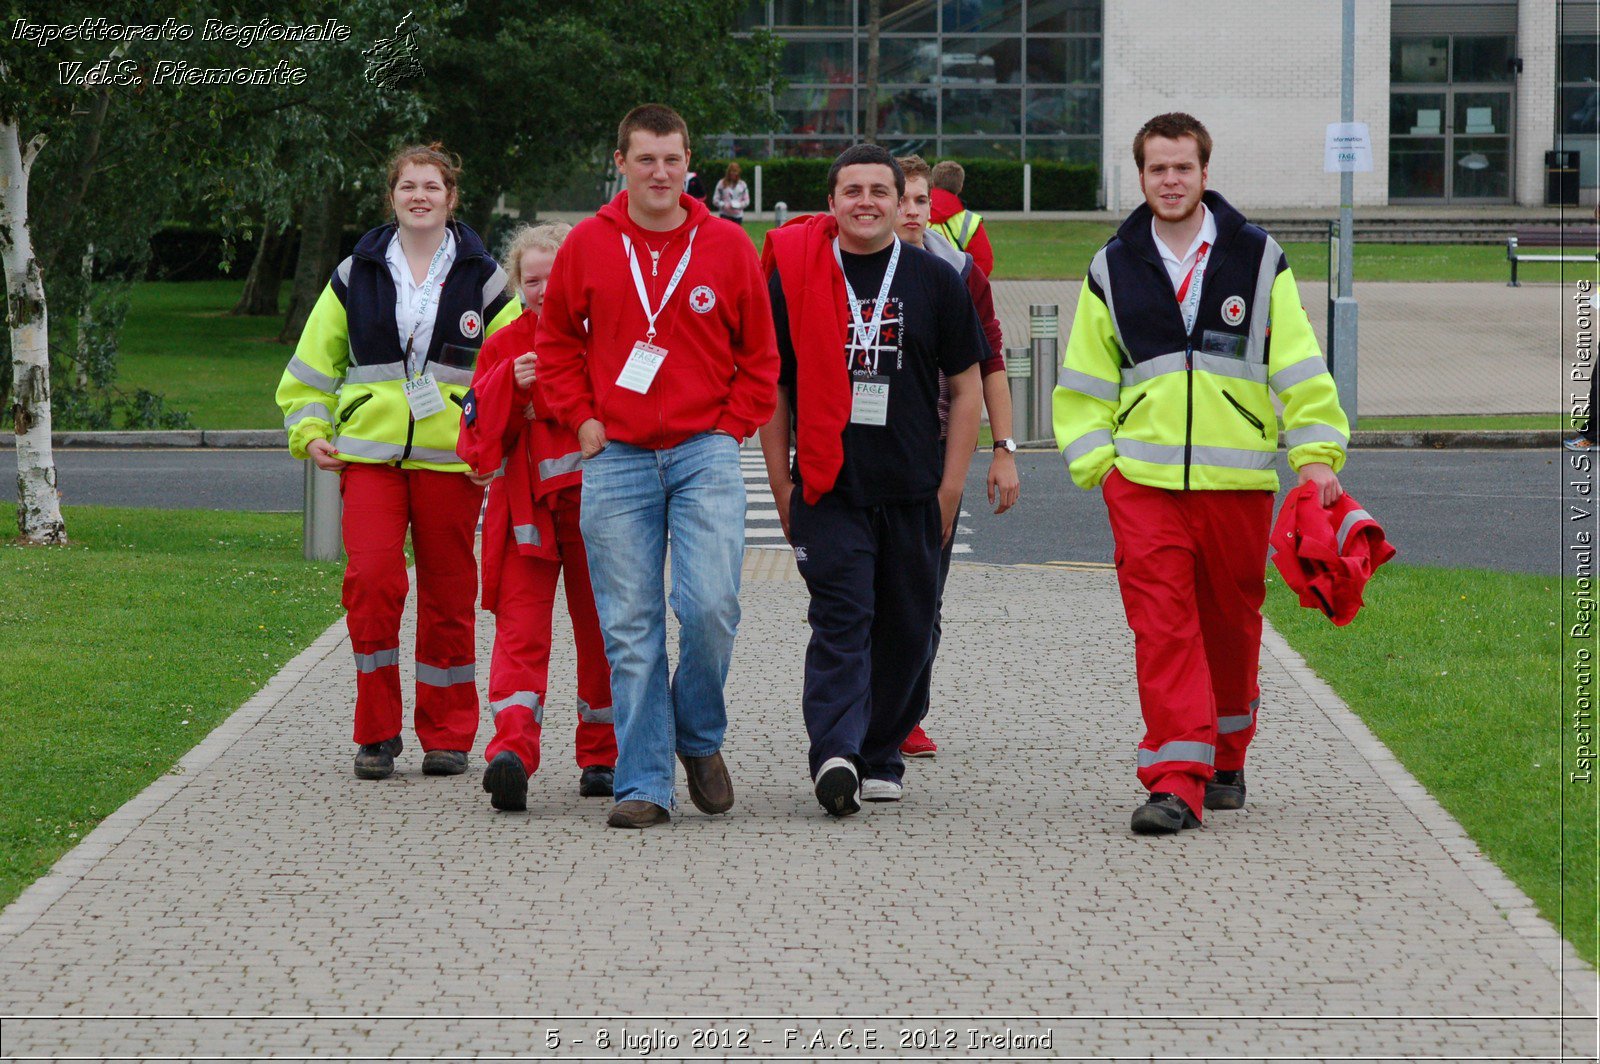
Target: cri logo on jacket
x=702 y=299
x=470 y=324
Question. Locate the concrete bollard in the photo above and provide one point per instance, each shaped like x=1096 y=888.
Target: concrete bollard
x=1019 y=375
x=1044 y=331
x=780 y=213
x=324 y=539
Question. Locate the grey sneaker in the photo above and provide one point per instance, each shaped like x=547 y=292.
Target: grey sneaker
x=375 y=761
x=444 y=762
x=1163 y=814
x=838 y=787
x=881 y=790
x=1225 y=790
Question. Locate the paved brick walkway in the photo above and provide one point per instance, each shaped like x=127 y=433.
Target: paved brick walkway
x=269 y=903
x=1436 y=348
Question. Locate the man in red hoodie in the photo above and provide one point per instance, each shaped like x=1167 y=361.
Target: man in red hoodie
x=656 y=348
x=953 y=221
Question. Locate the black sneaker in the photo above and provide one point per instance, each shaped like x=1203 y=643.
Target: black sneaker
x=597 y=781
x=375 y=761
x=444 y=762
x=1225 y=790
x=1163 y=814
x=507 y=782
x=838 y=787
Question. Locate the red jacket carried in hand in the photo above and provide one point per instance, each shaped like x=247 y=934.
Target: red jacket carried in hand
x=721 y=367
x=540 y=457
x=1327 y=555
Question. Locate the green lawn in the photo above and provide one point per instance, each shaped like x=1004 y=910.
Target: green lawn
x=126 y=649
x=1464 y=422
x=1458 y=672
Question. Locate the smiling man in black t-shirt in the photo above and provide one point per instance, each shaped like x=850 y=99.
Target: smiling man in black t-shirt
x=865 y=323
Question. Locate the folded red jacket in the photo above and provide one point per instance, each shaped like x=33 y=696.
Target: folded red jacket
x=1327 y=554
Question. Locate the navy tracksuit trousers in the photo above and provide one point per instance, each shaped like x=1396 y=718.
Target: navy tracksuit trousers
x=873 y=574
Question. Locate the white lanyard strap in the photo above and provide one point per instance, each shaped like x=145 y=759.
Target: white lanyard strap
x=866 y=333
x=1190 y=299
x=672 y=285
x=424 y=297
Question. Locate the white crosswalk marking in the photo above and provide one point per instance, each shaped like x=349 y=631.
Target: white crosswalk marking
x=761 y=525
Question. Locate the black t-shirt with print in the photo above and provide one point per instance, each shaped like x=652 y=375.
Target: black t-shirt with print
x=929 y=325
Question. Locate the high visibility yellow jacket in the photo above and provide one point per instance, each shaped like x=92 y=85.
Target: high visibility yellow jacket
x=346 y=381
x=1181 y=411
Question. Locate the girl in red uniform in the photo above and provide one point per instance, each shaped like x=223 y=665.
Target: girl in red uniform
x=530 y=536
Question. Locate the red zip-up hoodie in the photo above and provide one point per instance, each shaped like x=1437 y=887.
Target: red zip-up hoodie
x=721 y=368
x=942 y=207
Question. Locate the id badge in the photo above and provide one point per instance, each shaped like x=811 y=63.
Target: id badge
x=869 y=402
x=423 y=396
x=643 y=364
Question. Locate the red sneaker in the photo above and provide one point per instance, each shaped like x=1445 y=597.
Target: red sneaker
x=918 y=744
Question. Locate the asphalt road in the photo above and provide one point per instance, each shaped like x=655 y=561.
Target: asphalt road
x=1473 y=508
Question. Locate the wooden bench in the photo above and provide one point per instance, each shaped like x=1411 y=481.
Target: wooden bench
x=1577 y=241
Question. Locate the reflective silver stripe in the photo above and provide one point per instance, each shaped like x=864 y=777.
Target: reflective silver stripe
x=1223 y=366
x=1316 y=434
x=527 y=535
x=1348 y=523
x=1201 y=753
x=494 y=286
x=520 y=698
x=1087 y=383
x=373 y=449
x=1081 y=446
x=1230 y=725
x=434 y=676
x=1171 y=362
x=1298 y=373
x=432 y=454
x=309 y=410
x=344 y=271
x=1172 y=454
x=451 y=374
x=570 y=462
x=378 y=659
x=1101 y=272
x=589 y=715
x=302 y=372
x=384 y=371
x=1261 y=313
x=966 y=228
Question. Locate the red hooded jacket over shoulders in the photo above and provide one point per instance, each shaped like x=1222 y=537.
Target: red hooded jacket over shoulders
x=721 y=367
x=943 y=206
x=1327 y=554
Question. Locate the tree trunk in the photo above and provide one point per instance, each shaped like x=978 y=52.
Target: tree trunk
x=85 y=319
x=260 y=296
x=874 y=27
x=38 y=504
x=321 y=223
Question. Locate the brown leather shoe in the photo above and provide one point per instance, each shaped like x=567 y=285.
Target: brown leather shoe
x=710 y=786
x=637 y=814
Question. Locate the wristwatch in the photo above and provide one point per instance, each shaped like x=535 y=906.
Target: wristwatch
x=1008 y=445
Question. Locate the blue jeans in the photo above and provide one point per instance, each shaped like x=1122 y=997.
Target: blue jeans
x=634 y=499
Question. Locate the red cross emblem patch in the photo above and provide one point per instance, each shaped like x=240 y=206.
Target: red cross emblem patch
x=702 y=299
x=470 y=324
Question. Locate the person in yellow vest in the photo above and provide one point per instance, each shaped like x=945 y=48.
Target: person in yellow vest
x=374 y=393
x=952 y=220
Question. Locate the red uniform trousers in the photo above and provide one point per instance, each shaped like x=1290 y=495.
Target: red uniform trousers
x=1192 y=568
x=441 y=509
x=519 y=671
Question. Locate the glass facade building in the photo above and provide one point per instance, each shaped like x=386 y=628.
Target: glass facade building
x=1009 y=79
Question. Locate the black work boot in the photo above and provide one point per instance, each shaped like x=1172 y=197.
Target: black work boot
x=375 y=761
x=1225 y=790
x=507 y=782
x=1163 y=814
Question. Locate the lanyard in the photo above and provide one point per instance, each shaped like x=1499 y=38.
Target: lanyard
x=425 y=296
x=865 y=333
x=672 y=285
x=1189 y=291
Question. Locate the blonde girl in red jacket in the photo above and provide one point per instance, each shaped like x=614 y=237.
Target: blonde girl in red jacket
x=530 y=537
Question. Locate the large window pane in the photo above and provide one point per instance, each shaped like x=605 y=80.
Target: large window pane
x=982 y=16
x=816 y=61
x=902 y=16
x=754 y=16
x=981 y=61
x=1579 y=60
x=1482 y=59
x=1419 y=59
x=1482 y=168
x=1481 y=113
x=1416 y=112
x=1579 y=110
x=1075 y=150
x=1416 y=168
x=814 y=109
x=906 y=112
x=1064 y=16
x=1063 y=111
x=987 y=111
x=810 y=14
x=973 y=148
x=1053 y=60
x=902 y=59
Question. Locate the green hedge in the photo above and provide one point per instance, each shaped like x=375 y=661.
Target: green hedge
x=992 y=184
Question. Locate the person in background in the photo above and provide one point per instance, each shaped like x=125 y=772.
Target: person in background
x=530 y=539
x=374 y=392
x=953 y=221
x=731 y=198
